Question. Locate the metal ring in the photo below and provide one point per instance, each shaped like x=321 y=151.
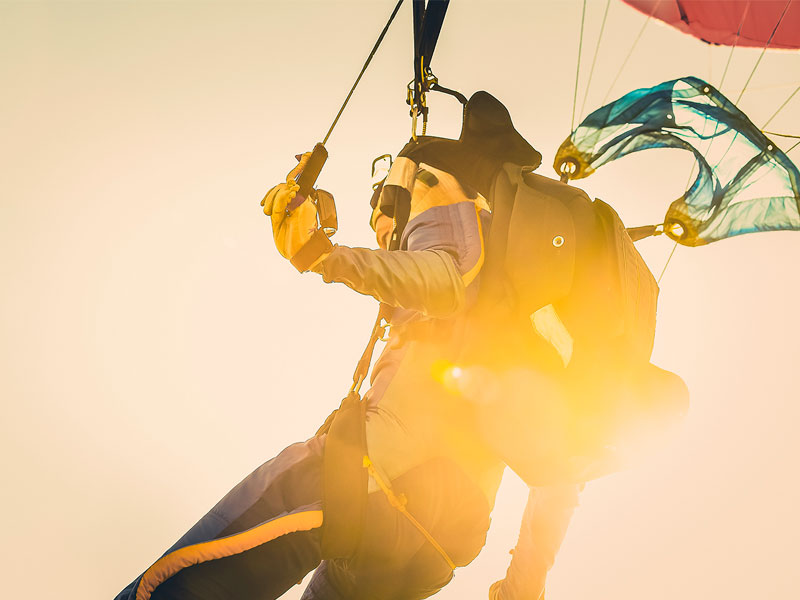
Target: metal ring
x=558 y=241
x=569 y=167
x=675 y=229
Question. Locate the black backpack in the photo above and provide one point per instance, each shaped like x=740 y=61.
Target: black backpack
x=548 y=244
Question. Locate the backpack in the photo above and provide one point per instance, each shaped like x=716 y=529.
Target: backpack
x=549 y=247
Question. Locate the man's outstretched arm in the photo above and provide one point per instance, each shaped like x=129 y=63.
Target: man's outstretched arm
x=426 y=281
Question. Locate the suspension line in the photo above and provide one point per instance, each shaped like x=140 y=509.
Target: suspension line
x=769 y=41
x=735 y=43
x=594 y=59
x=630 y=52
x=782 y=106
x=578 y=68
x=363 y=69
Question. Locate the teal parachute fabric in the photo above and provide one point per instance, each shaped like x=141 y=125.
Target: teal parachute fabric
x=744 y=183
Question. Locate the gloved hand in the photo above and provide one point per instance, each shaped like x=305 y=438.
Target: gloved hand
x=292 y=228
x=294 y=224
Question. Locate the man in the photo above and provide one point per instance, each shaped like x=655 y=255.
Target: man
x=438 y=435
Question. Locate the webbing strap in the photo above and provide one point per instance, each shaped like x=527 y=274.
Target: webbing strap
x=428 y=20
x=378 y=331
x=344 y=489
x=399 y=502
x=492 y=291
x=362 y=369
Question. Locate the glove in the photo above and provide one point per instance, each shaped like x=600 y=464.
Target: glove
x=293 y=225
x=291 y=228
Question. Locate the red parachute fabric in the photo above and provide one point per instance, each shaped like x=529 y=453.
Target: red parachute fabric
x=719 y=21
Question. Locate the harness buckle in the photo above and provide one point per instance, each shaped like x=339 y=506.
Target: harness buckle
x=385 y=330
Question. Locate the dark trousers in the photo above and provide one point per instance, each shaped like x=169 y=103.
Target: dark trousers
x=263 y=537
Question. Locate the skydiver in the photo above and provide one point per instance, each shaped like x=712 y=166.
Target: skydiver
x=438 y=436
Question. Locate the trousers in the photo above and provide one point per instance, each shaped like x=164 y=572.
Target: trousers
x=264 y=536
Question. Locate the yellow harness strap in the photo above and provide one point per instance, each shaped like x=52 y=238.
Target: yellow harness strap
x=399 y=502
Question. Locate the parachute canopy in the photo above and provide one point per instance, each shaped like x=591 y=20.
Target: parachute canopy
x=743 y=182
x=730 y=22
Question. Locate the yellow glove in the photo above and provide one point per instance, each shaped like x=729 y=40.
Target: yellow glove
x=302 y=161
x=292 y=226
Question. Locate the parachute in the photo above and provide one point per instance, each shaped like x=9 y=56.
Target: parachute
x=744 y=182
x=752 y=186
x=759 y=23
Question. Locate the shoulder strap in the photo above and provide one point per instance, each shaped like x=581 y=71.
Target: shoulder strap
x=502 y=199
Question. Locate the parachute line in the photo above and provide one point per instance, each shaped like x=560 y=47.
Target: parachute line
x=782 y=106
x=630 y=52
x=578 y=68
x=735 y=43
x=666 y=264
x=363 y=69
x=594 y=62
x=763 y=50
x=786 y=135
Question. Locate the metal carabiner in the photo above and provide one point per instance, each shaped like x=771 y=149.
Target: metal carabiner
x=416 y=108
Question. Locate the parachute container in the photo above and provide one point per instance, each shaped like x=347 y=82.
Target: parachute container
x=744 y=183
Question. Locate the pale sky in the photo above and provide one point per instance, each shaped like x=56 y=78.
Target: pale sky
x=155 y=348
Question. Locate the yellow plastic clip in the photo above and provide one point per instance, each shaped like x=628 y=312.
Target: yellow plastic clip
x=385 y=329
x=356 y=387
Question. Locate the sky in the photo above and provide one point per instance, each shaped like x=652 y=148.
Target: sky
x=155 y=348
